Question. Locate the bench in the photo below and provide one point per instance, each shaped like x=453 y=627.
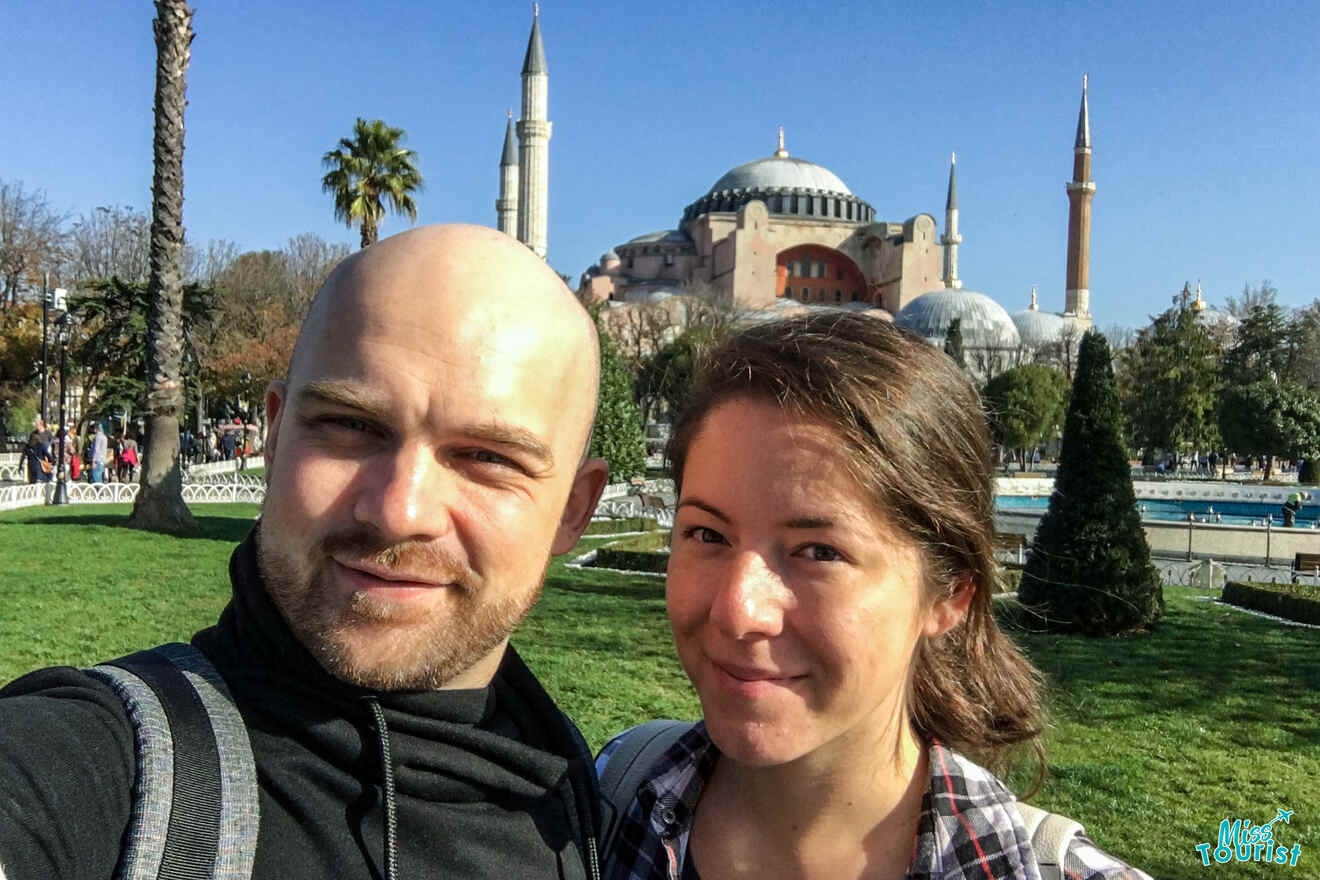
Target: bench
x=1013 y=542
x=1305 y=563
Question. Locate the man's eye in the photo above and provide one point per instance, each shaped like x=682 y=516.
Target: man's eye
x=485 y=456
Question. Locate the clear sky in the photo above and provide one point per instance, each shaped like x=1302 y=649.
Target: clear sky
x=1203 y=118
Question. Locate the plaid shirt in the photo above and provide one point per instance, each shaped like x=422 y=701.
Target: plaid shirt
x=969 y=827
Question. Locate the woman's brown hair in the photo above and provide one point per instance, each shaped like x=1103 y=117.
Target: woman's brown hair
x=913 y=434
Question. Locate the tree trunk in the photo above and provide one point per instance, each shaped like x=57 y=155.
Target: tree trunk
x=368 y=232
x=159 y=505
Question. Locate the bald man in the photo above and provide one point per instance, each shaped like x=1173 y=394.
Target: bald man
x=426 y=457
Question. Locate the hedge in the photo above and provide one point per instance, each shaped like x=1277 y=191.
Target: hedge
x=636 y=553
x=1292 y=601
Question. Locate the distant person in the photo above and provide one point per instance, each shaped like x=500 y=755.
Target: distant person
x=830 y=597
x=128 y=459
x=39 y=458
x=100 y=453
x=424 y=464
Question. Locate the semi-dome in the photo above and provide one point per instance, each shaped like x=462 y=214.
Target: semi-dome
x=672 y=236
x=985 y=324
x=775 y=172
x=1037 y=329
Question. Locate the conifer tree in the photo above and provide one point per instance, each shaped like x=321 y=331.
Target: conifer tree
x=1089 y=567
x=617 y=435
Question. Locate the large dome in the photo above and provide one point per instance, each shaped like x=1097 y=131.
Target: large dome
x=985 y=324
x=775 y=172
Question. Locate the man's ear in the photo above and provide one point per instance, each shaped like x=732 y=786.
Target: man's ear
x=949 y=611
x=588 y=484
x=275 y=396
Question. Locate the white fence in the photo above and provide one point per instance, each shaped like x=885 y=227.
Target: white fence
x=214 y=468
x=34 y=494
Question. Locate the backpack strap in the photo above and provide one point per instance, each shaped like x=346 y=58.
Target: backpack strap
x=195 y=800
x=1050 y=833
x=633 y=753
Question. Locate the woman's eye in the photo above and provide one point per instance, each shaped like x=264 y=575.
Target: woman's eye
x=822 y=553
x=704 y=535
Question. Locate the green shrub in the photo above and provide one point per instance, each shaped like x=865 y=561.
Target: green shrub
x=636 y=553
x=1008 y=578
x=1300 y=602
x=615 y=526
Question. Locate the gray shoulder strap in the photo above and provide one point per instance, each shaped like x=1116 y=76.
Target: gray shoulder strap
x=1050 y=835
x=636 y=752
x=195 y=801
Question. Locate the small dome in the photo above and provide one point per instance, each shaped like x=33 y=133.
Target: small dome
x=1213 y=316
x=609 y=257
x=1036 y=328
x=774 y=172
x=985 y=324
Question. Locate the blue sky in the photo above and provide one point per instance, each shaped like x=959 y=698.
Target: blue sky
x=1203 y=119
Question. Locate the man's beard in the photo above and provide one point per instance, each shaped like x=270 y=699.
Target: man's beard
x=378 y=644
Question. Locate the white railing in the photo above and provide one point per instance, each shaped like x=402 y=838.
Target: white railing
x=34 y=494
x=651 y=487
x=25 y=495
x=211 y=468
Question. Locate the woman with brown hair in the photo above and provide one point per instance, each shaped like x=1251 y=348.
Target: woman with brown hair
x=829 y=591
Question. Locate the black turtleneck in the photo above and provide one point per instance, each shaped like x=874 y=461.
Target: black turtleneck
x=493 y=782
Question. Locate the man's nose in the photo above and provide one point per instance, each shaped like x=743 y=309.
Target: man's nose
x=751 y=599
x=409 y=495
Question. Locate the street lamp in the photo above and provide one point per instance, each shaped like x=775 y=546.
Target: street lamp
x=62 y=327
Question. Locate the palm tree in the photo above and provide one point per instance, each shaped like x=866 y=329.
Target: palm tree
x=371 y=167
x=159 y=504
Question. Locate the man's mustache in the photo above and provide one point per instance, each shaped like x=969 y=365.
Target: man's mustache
x=366 y=545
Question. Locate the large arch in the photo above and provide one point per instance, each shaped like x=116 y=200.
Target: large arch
x=818 y=274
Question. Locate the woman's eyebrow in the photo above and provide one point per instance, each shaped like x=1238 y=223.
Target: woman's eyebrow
x=703 y=505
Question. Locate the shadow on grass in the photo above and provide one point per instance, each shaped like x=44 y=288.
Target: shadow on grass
x=606 y=584
x=232 y=529
x=1233 y=670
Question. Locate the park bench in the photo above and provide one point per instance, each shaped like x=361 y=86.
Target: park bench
x=1305 y=564
x=1013 y=542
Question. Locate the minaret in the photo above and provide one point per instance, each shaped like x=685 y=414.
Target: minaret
x=1034 y=306
x=506 y=206
x=951 y=239
x=534 y=145
x=1080 y=192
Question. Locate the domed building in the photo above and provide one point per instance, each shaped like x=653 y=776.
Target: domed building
x=780 y=235
x=778 y=228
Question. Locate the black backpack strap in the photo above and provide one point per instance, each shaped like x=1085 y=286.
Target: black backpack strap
x=195 y=800
x=633 y=754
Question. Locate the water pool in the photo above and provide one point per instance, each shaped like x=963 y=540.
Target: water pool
x=1238 y=513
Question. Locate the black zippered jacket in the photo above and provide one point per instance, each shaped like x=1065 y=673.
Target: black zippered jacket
x=493 y=782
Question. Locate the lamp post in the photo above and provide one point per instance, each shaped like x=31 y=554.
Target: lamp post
x=62 y=327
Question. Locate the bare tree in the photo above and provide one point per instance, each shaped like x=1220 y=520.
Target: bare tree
x=113 y=241
x=31 y=238
x=309 y=259
x=1263 y=295
x=204 y=266
x=1118 y=336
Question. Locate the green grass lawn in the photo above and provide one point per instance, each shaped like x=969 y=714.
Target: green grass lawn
x=1153 y=740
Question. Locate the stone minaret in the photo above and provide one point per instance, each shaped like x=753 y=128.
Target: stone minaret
x=951 y=239
x=506 y=206
x=1080 y=192
x=534 y=145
